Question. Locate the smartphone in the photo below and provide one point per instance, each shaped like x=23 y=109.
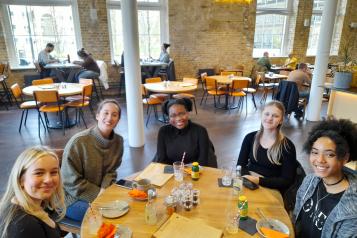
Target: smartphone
x=249 y=184
x=124 y=183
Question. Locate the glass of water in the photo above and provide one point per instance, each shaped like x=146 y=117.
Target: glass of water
x=178 y=170
x=226 y=176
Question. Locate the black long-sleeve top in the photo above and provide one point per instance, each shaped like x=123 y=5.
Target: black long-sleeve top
x=193 y=139
x=26 y=225
x=275 y=176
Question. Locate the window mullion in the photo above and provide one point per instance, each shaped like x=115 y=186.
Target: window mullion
x=30 y=30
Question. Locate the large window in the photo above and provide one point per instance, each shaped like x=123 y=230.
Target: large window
x=316 y=25
x=274 y=22
x=152 y=23
x=30 y=27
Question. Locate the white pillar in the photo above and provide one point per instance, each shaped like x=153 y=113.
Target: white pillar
x=132 y=73
x=321 y=60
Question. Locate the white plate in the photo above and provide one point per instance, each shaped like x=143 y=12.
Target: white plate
x=123 y=232
x=114 y=209
x=272 y=224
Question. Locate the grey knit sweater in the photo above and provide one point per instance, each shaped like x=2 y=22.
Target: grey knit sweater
x=84 y=167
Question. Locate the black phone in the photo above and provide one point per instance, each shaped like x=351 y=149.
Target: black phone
x=124 y=183
x=249 y=184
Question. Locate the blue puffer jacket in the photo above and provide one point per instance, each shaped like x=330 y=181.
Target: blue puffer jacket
x=342 y=221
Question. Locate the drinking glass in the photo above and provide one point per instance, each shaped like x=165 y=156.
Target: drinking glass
x=187 y=200
x=226 y=176
x=195 y=197
x=232 y=222
x=94 y=220
x=178 y=170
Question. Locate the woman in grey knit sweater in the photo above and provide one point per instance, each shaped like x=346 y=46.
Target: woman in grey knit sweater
x=90 y=160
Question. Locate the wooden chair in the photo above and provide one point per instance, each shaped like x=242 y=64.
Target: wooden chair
x=212 y=89
x=188 y=95
x=46 y=102
x=151 y=102
x=265 y=86
x=79 y=97
x=66 y=224
x=236 y=90
x=161 y=96
x=4 y=75
x=24 y=105
x=42 y=81
x=252 y=89
x=227 y=73
x=83 y=102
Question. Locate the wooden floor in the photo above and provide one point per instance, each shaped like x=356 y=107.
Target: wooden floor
x=225 y=129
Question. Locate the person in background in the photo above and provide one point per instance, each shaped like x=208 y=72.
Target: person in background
x=326 y=200
x=44 y=58
x=182 y=136
x=267 y=156
x=89 y=69
x=302 y=78
x=34 y=197
x=164 y=55
x=291 y=62
x=263 y=63
x=90 y=160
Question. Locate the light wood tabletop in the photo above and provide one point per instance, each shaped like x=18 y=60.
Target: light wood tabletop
x=225 y=79
x=170 y=87
x=64 y=89
x=275 y=76
x=61 y=66
x=215 y=201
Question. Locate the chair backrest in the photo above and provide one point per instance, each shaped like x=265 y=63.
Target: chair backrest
x=42 y=81
x=16 y=91
x=209 y=72
x=143 y=91
x=288 y=94
x=211 y=83
x=284 y=72
x=153 y=80
x=227 y=72
x=38 y=66
x=239 y=84
x=203 y=75
x=46 y=96
x=190 y=80
x=87 y=90
x=85 y=81
x=2 y=68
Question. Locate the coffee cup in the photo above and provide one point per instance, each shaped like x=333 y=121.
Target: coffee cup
x=142 y=185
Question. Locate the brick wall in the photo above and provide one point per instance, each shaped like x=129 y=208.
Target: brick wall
x=203 y=34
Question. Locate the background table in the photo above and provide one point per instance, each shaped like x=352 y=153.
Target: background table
x=64 y=89
x=170 y=87
x=214 y=202
x=61 y=66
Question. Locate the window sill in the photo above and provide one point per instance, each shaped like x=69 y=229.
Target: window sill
x=22 y=68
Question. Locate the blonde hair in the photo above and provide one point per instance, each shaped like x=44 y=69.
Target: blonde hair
x=14 y=191
x=275 y=151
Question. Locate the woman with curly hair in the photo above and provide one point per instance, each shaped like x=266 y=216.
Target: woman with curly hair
x=34 y=197
x=326 y=201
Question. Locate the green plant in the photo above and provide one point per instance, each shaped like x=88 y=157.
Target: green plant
x=346 y=55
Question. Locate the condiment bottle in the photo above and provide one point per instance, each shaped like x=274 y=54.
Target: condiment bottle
x=150 y=210
x=195 y=172
x=243 y=207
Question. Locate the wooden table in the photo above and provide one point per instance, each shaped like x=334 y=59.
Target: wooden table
x=227 y=81
x=61 y=66
x=64 y=89
x=214 y=202
x=170 y=87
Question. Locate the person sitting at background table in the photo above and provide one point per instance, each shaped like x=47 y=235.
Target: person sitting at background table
x=44 y=58
x=267 y=156
x=291 y=62
x=89 y=69
x=182 y=136
x=34 y=196
x=263 y=63
x=326 y=200
x=164 y=58
x=90 y=160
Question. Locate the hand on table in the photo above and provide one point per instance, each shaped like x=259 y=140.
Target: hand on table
x=253 y=179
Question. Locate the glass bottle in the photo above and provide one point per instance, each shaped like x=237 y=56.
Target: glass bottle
x=150 y=210
x=238 y=182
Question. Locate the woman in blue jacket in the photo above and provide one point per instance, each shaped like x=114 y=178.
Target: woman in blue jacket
x=326 y=201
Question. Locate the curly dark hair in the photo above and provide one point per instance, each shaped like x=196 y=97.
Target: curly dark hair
x=182 y=101
x=342 y=132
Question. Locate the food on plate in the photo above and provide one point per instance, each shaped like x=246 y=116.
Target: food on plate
x=135 y=193
x=269 y=233
x=106 y=230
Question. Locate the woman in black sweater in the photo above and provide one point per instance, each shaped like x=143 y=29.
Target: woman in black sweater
x=34 y=198
x=267 y=157
x=183 y=136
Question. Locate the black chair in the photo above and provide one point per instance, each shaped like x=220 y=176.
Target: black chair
x=288 y=94
x=168 y=73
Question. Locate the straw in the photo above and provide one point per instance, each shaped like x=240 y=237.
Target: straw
x=183 y=157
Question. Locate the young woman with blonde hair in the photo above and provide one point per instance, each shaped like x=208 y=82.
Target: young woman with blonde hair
x=267 y=156
x=34 y=196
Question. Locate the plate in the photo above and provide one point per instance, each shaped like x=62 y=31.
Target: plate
x=123 y=232
x=272 y=224
x=114 y=209
x=47 y=86
x=139 y=199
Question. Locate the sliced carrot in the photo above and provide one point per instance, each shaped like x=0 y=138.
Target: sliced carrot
x=269 y=233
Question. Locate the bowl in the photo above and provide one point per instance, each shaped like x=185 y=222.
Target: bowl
x=273 y=224
x=114 y=209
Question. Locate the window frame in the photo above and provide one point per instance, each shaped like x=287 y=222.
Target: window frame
x=9 y=37
x=161 y=6
x=288 y=12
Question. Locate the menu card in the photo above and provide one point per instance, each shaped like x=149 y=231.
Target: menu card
x=155 y=173
x=178 y=226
